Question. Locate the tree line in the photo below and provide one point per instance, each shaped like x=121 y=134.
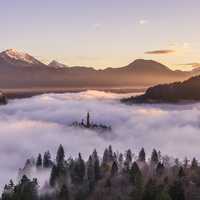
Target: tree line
x=115 y=176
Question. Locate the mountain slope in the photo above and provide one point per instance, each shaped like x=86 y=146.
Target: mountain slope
x=56 y=64
x=13 y=57
x=188 y=90
x=19 y=70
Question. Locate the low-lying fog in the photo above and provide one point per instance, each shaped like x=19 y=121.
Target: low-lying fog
x=33 y=125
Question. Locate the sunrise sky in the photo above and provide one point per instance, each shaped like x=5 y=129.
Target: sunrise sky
x=103 y=33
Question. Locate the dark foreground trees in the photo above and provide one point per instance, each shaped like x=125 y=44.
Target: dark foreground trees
x=114 y=177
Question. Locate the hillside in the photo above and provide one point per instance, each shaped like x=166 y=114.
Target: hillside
x=175 y=92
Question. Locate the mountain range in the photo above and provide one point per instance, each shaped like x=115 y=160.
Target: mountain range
x=21 y=70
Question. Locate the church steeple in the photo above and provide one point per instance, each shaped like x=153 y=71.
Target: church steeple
x=88 y=120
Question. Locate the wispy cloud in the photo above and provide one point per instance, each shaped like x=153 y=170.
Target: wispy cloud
x=192 y=64
x=184 y=45
x=143 y=21
x=97 y=26
x=161 y=51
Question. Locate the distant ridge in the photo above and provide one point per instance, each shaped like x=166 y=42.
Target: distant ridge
x=19 y=70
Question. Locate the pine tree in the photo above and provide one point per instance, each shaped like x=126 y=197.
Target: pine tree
x=26 y=189
x=90 y=173
x=8 y=191
x=160 y=169
x=137 y=182
x=181 y=172
x=176 y=191
x=154 y=157
x=64 y=193
x=128 y=160
x=108 y=184
x=121 y=160
x=110 y=154
x=105 y=163
x=163 y=195
x=142 y=155
x=105 y=156
x=47 y=163
x=60 y=155
x=39 y=161
x=97 y=172
x=194 y=164
x=54 y=176
x=150 y=191
x=79 y=170
x=134 y=172
x=114 y=169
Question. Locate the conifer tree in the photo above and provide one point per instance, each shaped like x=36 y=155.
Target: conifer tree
x=54 y=176
x=121 y=160
x=137 y=181
x=47 y=163
x=110 y=154
x=64 y=193
x=90 y=173
x=79 y=169
x=142 y=155
x=97 y=172
x=176 y=191
x=39 y=161
x=128 y=160
x=60 y=155
x=160 y=169
x=194 y=164
x=154 y=157
x=150 y=191
x=105 y=156
x=26 y=189
x=108 y=184
x=163 y=195
x=134 y=172
x=181 y=172
x=114 y=169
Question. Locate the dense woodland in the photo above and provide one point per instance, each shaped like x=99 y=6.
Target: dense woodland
x=174 y=92
x=116 y=176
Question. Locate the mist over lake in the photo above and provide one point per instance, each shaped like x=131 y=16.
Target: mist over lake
x=33 y=125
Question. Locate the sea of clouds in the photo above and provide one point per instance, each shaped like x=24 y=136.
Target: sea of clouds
x=34 y=125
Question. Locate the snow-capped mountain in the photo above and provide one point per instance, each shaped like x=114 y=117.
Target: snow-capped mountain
x=19 y=70
x=12 y=56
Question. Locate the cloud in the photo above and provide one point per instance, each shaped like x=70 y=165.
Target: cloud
x=162 y=51
x=143 y=21
x=34 y=125
x=97 y=26
x=193 y=64
x=184 y=45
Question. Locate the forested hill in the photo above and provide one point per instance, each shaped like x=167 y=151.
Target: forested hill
x=188 y=90
x=116 y=176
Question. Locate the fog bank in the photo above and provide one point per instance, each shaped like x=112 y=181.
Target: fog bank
x=34 y=125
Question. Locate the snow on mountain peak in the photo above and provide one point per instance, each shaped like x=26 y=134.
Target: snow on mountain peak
x=56 y=64
x=15 y=55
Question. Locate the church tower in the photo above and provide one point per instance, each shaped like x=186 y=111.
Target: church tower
x=88 y=120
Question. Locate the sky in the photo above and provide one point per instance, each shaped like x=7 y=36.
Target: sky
x=103 y=33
